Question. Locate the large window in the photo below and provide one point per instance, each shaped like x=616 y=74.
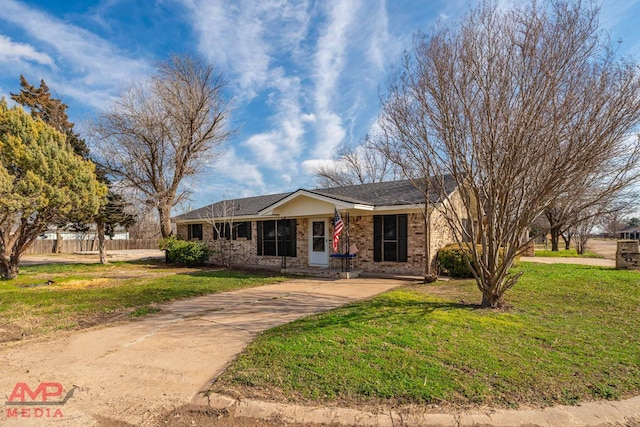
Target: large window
x=390 y=238
x=194 y=232
x=233 y=231
x=277 y=238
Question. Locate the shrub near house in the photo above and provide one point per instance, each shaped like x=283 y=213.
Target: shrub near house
x=185 y=252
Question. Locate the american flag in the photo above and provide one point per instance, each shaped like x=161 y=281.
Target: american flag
x=338 y=225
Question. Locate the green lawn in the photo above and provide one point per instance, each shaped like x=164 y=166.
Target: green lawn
x=87 y=294
x=571 y=333
x=566 y=253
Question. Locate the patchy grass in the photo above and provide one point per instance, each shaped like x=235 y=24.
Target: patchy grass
x=81 y=295
x=566 y=253
x=571 y=334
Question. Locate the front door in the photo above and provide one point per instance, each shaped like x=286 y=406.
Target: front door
x=318 y=243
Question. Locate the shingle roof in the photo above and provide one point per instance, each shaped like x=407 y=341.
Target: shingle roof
x=390 y=193
x=241 y=207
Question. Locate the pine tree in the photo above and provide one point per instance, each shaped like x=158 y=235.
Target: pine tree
x=51 y=110
x=42 y=182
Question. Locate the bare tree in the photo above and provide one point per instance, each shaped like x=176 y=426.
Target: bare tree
x=360 y=165
x=146 y=225
x=221 y=218
x=517 y=106
x=585 y=204
x=165 y=130
x=613 y=222
x=582 y=231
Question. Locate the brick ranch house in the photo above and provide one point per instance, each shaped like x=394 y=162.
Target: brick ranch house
x=385 y=222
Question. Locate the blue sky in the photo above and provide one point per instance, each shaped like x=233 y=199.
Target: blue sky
x=304 y=75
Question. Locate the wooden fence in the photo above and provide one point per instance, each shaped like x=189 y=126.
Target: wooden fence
x=70 y=246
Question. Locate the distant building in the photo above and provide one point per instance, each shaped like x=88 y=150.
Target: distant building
x=120 y=233
x=631 y=233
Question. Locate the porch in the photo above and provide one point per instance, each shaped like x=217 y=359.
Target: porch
x=322 y=272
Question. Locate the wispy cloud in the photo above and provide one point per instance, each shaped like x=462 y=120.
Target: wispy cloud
x=11 y=51
x=230 y=163
x=244 y=36
x=91 y=65
x=329 y=62
x=252 y=41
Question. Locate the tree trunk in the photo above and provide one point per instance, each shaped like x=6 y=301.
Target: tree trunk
x=57 y=249
x=429 y=275
x=491 y=300
x=567 y=241
x=101 y=243
x=9 y=268
x=581 y=244
x=164 y=212
x=555 y=237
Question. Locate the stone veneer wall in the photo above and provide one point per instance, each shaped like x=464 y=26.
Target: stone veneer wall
x=628 y=255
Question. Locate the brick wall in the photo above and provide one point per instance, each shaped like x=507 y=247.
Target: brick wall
x=244 y=251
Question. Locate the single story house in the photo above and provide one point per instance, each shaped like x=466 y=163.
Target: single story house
x=383 y=223
x=631 y=233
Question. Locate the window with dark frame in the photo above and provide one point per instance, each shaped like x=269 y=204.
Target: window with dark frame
x=242 y=230
x=232 y=231
x=194 y=232
x=277 y=238
x=390 y=238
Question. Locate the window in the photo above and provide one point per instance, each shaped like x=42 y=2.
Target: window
x=224 y=230
x=277 y=238
x=242 y=230
x=194 y=232
x=390 y=238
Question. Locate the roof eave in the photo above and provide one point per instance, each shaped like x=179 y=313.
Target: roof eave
x=339 y=204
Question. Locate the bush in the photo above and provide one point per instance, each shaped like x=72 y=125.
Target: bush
x=451 y=259
x=185 y=252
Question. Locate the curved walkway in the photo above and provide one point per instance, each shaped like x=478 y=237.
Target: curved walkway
x=134 y=371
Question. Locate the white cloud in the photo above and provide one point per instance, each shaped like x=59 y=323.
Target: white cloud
x=11 y=51
x=92 y=64
x=239 y=170
x=250 y=41
x=310 y=166
x=329 y=62
x=244 y=35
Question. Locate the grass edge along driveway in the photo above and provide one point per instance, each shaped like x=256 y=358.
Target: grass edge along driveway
x=571 y=333
x=83 y=295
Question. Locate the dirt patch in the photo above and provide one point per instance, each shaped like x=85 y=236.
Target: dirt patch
x=31 y=327
x=10 y=332
x=605 y=247
x=93 y=257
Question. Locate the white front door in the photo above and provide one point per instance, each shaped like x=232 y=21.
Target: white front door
x=318 y=243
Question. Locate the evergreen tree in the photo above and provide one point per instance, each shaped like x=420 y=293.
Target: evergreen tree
x=51 y=110
x=54 y=112
x=42 y=181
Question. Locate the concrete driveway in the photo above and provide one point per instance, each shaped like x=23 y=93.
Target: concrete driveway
x=133 y=371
